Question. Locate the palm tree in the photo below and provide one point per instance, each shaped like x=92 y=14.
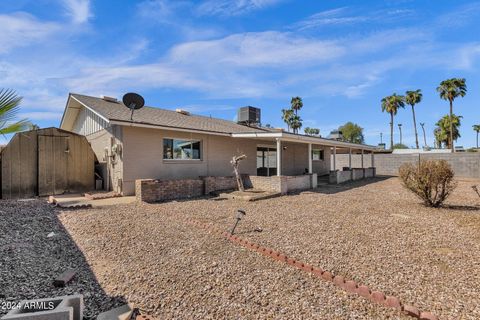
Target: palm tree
x=391 y=104
x=287 y=115
x=9 y=107
x=444 y=125
x=476 y=128
x=296 y=104
x=296 y=123
x=450 y=90
x=412 y=98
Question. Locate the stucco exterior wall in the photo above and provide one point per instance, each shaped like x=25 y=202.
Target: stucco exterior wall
x=112 y=169
x=143 y=156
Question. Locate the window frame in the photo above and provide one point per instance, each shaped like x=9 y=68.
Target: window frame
x=191 y=140
x=321 y=156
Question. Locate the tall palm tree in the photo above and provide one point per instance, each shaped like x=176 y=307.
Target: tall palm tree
x=391 y=104
x=412 y=98
x=444 y=125
x=449 y=90
x=287 y=115
x=296 y=123
x=9 y=107
x=296 y=104
x=476 y=128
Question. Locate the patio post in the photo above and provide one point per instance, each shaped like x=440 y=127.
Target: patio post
x=310 y=158
x=362 y=158
x=373 y=159
x=334 y=158
x=279 y=157
x=350 y=158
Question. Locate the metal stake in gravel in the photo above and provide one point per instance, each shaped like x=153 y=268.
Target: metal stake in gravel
x=474 y=187
x=240 y=214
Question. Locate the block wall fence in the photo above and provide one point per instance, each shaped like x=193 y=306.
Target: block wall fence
x=465 y=165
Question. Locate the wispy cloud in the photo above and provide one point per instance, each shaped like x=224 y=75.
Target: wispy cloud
x=233 y=7
x=346 y=16
x=78 y=10
x=22 y=29
x=329 y=17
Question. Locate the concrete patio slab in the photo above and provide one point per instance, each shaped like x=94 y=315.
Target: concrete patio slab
x=79 y=201
x=249 y=195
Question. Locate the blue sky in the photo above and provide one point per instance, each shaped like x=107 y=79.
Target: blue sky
x=213 y=56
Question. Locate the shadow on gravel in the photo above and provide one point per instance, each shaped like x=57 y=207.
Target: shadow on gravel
x=30 y=260
x=461 y=207
x=337 y=188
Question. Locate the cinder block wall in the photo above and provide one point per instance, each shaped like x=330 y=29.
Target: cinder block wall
x=465 y=165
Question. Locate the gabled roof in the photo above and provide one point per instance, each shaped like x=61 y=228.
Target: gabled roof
x=117 y=112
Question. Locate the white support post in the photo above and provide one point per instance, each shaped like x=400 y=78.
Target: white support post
x=373 y=159
x=334 y=158
x=362 y=158
x=350 y=158
x=310 y=170
x=279 y=157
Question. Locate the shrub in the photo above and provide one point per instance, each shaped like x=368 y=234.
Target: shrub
x=431 y=180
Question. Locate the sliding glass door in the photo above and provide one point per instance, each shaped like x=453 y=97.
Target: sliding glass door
x=266 y=161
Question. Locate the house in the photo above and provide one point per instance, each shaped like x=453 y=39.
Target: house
x=170 y=145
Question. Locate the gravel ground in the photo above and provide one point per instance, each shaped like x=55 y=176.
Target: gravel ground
x=154 y=258
x=377 y=234
x=30 y=261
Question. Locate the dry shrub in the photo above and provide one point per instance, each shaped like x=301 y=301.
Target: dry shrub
x=431 y=180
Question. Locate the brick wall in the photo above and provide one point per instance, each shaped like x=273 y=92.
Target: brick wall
x=149 y=190
x=464 y=164
x=213 y=184
x=301 y=182
x=274 y=183
x=357 y=174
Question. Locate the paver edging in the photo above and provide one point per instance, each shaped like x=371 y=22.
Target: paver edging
x=348 y=285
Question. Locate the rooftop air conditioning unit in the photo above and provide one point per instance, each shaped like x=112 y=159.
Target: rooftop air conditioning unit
x=248 y=115
x=336 y=135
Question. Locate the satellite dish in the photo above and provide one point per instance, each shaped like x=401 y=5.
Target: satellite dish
x=133 y=101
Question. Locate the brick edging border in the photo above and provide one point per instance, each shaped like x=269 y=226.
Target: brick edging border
x=348 y=285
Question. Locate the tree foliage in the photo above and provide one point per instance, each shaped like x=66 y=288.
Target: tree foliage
x=9 y=108
x=312 y=131
x=442 y=131
x=352 y=132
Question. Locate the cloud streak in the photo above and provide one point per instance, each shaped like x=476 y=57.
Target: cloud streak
x=233 y=7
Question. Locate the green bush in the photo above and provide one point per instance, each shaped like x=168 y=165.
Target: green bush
x=431 y=180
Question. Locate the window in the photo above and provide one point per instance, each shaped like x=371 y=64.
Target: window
x=317 y=154
x=176 y=149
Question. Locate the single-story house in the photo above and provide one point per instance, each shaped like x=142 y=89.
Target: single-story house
x=165 y=144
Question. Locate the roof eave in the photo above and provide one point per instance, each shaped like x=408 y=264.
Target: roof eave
x=285 y=136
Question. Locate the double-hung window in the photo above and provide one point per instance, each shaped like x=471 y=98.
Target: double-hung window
x=179 y=149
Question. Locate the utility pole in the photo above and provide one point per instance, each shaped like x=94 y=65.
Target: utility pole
x=400 y=129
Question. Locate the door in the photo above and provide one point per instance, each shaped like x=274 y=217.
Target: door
x=266 y=161
x=52 y=165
